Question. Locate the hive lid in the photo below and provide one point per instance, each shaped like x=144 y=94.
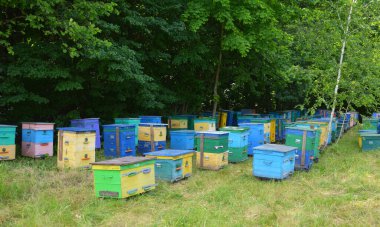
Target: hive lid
x=119 y=125
x=76 y=129
x=212 y=133
x=123 y=161
x=170 y=153
x=233 y=129
x=38 y=123
x=153 y=124
x=3 y=126
x=275 y=147
x=183 y=131
x=149 y=116
x=250 y=123
x=302 y=128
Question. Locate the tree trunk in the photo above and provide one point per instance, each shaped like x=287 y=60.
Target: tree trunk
x=217 y=75
x=340 y=66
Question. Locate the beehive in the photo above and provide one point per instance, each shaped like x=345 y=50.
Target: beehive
x=119 y=140
x=90 y=124
x=237 y=143
x=130 y=121
x=182 y=139
x=369 y=141
x=151 y=119
x=123 y=177
x=172 y=165
x=273 y=161
x=76 y=147
x=212 y=161
x=178 y=123
x=152 y=137
x=307 y=142
x=256 y=135
x=205 y=124
x=37 y=139
x=269 y=128
x=211 y=142
x=7 y=142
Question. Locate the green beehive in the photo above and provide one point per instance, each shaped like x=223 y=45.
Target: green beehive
x=130 y=121
x=294 y=138
x=237 y=154
x=370 y=141
x=237 y=143
x=212 y=142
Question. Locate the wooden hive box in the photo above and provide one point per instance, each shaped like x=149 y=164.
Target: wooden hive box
x=7 y=142
x=123 y=177
x=76 y=147
x=37 y=139
x=172 y=165
x=119 y=140
x=273 y=161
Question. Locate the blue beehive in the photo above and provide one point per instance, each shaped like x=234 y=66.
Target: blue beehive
x=119 y=140
x=182 y=139
x=273 y=161
x=37 y=136
x=172 y=165
x=256 y=135
x=151 y=119
x=146 y=146
x=91 y=124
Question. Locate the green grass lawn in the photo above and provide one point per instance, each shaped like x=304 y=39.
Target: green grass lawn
x=342 y=189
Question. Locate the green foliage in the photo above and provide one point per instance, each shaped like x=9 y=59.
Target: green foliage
x=118 y=58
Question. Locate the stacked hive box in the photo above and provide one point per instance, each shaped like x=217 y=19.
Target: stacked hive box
x=76 y=147
x=152 y=137
x=369 y=140
x=205 y=124
x=256 y=135
x=178 y=123
x=37 y=139
x=90 y=124
x=151 y=119
x=334 y=127
x=223 y=119
x=212 y=149
x=269 y=129
x=237 y=143
x=130 y=121
x=323 y=127
x=307 y=141
x=182 y=139
x=123 y=177
x=7 y=142
x=119 y=140
x=172 y=165
x=273 y=161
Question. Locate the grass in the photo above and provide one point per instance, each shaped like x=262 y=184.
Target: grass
x=342 y=189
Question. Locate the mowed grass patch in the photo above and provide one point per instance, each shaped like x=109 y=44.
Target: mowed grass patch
x=342 y=189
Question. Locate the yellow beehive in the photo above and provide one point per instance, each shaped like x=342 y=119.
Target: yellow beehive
x=158 y=131
x=204 y=125
x=178 y=123
x=266 y=127
x=7 y=152
x=76 y=147
x=223 y=119
x=212 y=161
x=272 y=129
x=324 y=132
